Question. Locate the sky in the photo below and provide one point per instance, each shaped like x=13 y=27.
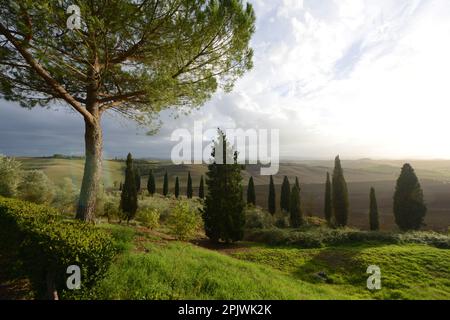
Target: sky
x=359 y=78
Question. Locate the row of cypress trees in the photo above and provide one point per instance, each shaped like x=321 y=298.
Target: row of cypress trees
x=151 y=186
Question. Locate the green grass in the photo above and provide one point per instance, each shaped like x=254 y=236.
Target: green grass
x=176 y=270
x=152 y=268
x=408 y=271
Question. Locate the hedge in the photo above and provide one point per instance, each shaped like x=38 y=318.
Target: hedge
x=46 y=245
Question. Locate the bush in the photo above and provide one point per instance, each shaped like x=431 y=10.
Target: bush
x=257 y=218
x=66 y=197
x=281 y=220
x=9 y=176
x=148 y=217
x=319 y=237
x=36 y=187
x=184 y=222
x=47 y=245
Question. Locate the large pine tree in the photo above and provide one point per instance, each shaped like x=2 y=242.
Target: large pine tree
x=373 y=212
x=201 y=189
x=251 y=195
x=340 y=195
x=409 y=204
x=295 y=210
x=285 y=195
x=128 y=199
x=166 y=185
x=189 y=191
x=328 y=205
x=177 y=187
x=223 y=212
x=272 y=202
x=151 y=185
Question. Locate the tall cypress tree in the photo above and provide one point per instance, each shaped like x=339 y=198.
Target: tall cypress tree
x=128 y=198
x=151 y=185
x=409 y=204
x=251 y=195
x=297 y=184
x=166 y=185
x=189 y=191
x=177 y=187
x=295 y=210
x=340 y=195
x=201 y=189
x=137 y=179
x=328 y=205
x=373 y=213
x=223 y=212
x=272 y=201
x=285 y=195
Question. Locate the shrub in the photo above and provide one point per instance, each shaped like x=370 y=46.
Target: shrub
x=47 y=245
x=184 y=222
x=318 y=237
x=148 y=217
x=9 y=176
x=281 y=220
x=36 y=187
x=66 y=197
x=257 y=218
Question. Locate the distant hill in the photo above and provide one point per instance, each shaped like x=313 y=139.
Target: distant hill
x=360 y=175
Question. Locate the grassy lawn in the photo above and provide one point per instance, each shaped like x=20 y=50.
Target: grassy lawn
x=150 y=267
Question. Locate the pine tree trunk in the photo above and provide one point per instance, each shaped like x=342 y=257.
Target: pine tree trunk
x=92 y=171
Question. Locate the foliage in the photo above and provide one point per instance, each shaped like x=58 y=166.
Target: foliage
x=373 y=213
x=308 y=237
x=10 y=172
x=201 y=189
x=177 y=187
x=257 y=218
x=151 y=185
x=137 y=179
x=66 y=196
x=295 y=209
x=328 y=205
x=271 y=198
x=166 y=185
x=285 y=195
x=189 y=191
x=36 y=187
x=409 y=204
x=47 y=245
x=128 y=200
x=148 y=217
x=340 y=195
x=251 y=195
x=184 y=222
x=223 y=212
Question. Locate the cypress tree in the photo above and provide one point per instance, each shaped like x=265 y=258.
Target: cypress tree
x=285 y=195
x=328 y=205
x=137 y=179
x=120 y=186
x=151 y=185
x=272 y=202
x=201 y=189
x=340 y=195
x=409 y=204
x=223 y=212
x=189 y=191
x=177 y=187
x=295 y=210
x=373 y=213
x=297 y=184
x=166 y=185
x=128 y=199
x=251 y=196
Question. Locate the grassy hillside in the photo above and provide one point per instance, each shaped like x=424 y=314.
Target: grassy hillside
x=153 y=267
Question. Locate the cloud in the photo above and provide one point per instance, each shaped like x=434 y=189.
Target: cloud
x=362 y=78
